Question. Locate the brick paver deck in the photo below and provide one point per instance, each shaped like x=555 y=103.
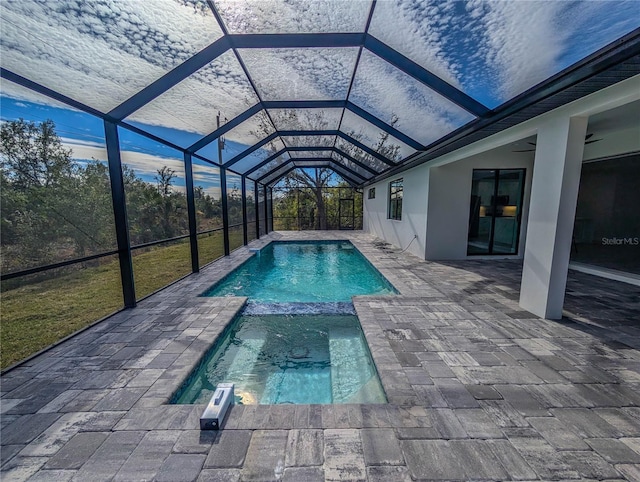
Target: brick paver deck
x=478 y=389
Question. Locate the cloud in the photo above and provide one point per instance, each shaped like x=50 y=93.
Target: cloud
x=494 y=50
x=389 y=93
x=281 y=16
x=192 y=105
x=372 y=136
x=146 y=164
x=116 y=47
x=104 y=51
x=416 y=29
x=301 y=74
x=521 y=42
x=81 y=149
x=527 y=42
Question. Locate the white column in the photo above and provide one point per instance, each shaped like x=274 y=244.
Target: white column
x=554 y=192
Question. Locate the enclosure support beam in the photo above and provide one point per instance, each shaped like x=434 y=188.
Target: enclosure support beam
x=245 y=237
x=191 y=212
x=271 y=206
x=120 y=213
x=256 y=200
x=225 y=209
x=266 y=211
x=223 y=194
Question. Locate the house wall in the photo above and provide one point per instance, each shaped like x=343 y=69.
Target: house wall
x=437 y=194
x=450 y=197
x=413 y=223
x=444 y=194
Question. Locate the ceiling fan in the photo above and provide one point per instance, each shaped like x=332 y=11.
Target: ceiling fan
x=586 y=141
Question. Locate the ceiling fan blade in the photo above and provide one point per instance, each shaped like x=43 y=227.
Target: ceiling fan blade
x=532 y=143
x=588 y=136
x=525 y=150
x=591 y=142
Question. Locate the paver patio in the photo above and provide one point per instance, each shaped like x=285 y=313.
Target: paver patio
x=478 y=389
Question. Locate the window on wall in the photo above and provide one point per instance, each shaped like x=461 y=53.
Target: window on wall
x=495 y=212
x=372 y=193
x=395 y=199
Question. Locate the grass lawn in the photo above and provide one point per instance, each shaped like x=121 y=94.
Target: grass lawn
x=39 y=314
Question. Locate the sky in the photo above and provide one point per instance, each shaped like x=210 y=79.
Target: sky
x=104 y=51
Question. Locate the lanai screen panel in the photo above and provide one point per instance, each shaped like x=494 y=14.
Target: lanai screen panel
x=308 y=140
x=495 y=50
x=273 y=164
x=277 y=174
x=240 y=138
x=404 y=102
x=187 y=112
x=426 y=68
x=101 y=52
x=374 y=137
x=294 y=16
x=365 y=158
x=306 y=119
x=311 y=153
x=301 y=74
x=352 y=165
x=258 y=156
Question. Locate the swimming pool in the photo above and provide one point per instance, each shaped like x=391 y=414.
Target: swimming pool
x=326 y=271
x=298 y=339
x=275 y=359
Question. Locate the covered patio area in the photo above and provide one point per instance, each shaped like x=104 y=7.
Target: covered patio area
x=477 y=388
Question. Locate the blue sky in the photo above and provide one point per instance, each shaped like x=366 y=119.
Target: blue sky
x=104 y=51
x=84 y=135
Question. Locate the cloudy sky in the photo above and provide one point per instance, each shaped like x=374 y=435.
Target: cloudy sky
x=101 y=52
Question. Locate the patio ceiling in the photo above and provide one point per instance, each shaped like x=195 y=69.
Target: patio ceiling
x=359 y=86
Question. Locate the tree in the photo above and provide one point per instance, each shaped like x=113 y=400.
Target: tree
x=315 y=180
x=37 y=173
x=164 y=179
x=33 y=155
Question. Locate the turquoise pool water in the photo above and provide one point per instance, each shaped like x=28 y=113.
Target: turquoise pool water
x=275 y=359
x=304 y=272
x=298 y=339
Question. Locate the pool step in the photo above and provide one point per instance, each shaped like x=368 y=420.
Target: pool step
x=350 y=368
x=328 y=308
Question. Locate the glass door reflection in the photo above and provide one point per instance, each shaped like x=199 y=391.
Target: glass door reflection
x=495 y=211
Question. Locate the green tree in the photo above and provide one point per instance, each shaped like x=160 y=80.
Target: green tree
x=33 y=155
x=316 y=180
x=37 y=175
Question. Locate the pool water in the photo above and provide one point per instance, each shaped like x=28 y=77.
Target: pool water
x=298 y=339
x=300 y=359
x=304 y=272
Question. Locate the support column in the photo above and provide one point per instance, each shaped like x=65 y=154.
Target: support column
x=120 y=213
x=223 y=193
x=271 y=206
x=552 y=209
x=191 y=212
x=266 y=212
x=256 y=195
x=225 y=209
x=245 y=236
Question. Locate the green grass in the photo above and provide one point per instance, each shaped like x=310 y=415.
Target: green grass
x=39 y=314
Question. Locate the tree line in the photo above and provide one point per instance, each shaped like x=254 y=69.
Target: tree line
x=54 y=208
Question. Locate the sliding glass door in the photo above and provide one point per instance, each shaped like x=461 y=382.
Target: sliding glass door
x=495 y=211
